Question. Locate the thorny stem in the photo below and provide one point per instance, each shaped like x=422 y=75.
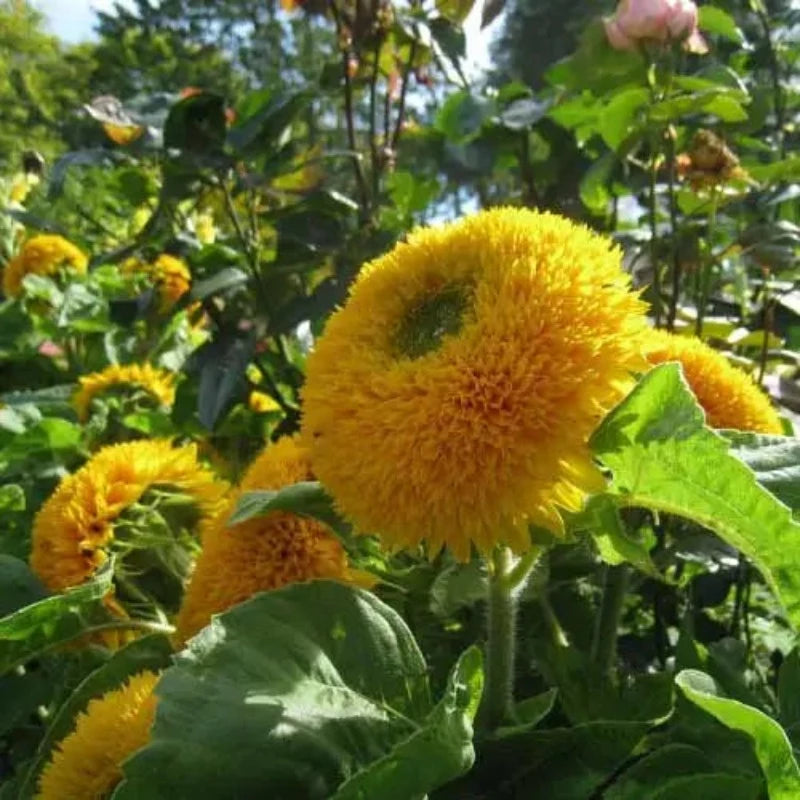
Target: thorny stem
x=657 y=298
x=775 y=73
x=704 y=274
x=401 y=106
x=677 y=267
x=349 y=117
x=373 y=121
x=769 y=313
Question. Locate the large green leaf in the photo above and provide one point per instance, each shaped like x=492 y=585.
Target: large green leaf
x=775 y=460
x=295 y=692
x=663 y=457
x=57 y=619
x=436 y=753
x=679 y=771
x=18 y=585
x=564 y=763
x=772 y=746
x=150 y=653
x=307 y=498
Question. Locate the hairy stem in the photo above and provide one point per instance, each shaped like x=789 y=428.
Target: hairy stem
x=604 y=644
x=500 y=649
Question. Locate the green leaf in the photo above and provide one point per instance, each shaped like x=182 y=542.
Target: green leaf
x=618 y=118
x=615 y=545
x=772 y=746
x=264 y=116
x=18 y=585
x=196 y=123
x=593 y=191
x=457 y=586
x=435 y=754
x=564 y=763
x=524 y=113
x=225 y=279
x=714 y=20
x=718 y=102
x=789 y=691
x=149 y=653
x=712 y=786
x=52 y=400
x=455 y=10
x=296 y=690
x=307 y=498
x=222 y=364
x=12 y=498
x=775 y=460
x=657 y=768
x=664 y=458
x=60 y=618
x=462 y=115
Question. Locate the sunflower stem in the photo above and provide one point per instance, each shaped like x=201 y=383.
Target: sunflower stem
x=498 y=699
x=604 y=644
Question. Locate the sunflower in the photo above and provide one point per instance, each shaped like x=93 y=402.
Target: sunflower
x=451 y=399
x=45 y=254
x=262 y=553
x=170 y=274
x=87 y=763
x=75 y=527
x=261 y=403
x=729 y=396
x=158 y=383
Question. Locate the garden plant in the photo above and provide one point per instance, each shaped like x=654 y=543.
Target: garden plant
x=375 y=429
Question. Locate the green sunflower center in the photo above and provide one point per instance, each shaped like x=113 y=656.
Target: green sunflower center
x=424 y=326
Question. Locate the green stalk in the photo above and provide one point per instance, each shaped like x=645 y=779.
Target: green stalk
x=498 y=698
x=604 y=644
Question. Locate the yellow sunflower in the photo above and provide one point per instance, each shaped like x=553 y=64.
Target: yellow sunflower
x=263 y=553
x=170 y=274
x=87 y=763
x=158 y=383
x=261 y=403
x=451 y=399
x=75 y=527
x=729 y=396
x=45 y=254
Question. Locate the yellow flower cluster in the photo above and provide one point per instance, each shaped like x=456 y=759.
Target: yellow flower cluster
x=451 y=400
x=158 y=383
x=262 y=553
x=45 y=254
x=74 y=528
x=170 y=275
x=87 y=763
x=729 y=396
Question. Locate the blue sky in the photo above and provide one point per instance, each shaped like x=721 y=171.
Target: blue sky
x=73 y=20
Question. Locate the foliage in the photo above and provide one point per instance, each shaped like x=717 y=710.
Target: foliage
x=228 y=168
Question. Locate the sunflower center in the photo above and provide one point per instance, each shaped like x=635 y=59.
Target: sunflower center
x=425 y=325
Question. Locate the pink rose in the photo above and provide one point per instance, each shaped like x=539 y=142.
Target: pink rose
x=655 y=20
x=50 y=349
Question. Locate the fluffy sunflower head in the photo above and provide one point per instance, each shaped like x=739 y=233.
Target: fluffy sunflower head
x=170 y=275
x=158 y=383
x=729 y=396
x=41 y=255
x=451 y=399
x=262 y=553
x=173 y=278
x=87 y=763
x=75 y=527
